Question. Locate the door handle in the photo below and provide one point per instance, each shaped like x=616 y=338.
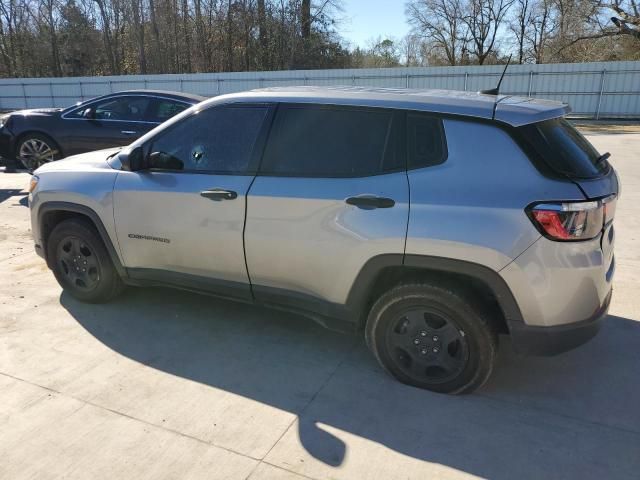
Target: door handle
x=219 y=194
x=369 y=202
x=128 y=132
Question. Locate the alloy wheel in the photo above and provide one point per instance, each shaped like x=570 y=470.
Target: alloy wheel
x=35 y=152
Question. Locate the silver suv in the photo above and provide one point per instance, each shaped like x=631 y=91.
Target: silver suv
x=432 y=220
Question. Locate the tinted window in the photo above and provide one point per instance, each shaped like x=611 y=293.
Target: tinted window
x=163 y=109
x=319 y=141
x=216 y=140
x=564 y=149
x=425 y=141
x=122 y=108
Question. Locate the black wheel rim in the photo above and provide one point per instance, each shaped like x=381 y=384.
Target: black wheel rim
x=78 y=264
x=427 y=346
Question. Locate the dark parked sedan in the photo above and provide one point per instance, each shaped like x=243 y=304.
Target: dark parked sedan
x=38 y=136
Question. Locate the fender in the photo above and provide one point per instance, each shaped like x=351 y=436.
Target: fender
x=95 y=219
x=371 y=271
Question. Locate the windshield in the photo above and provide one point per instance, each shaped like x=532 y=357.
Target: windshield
x=565 y=149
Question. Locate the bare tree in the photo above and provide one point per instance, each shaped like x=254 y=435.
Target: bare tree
x=542 y=26
x=520 y=24
x=441 y=23
x=484 y=19
x=48 y=21
x=585 y=27
x=138 y=25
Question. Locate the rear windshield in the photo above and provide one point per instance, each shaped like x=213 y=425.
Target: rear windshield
x=564 y=149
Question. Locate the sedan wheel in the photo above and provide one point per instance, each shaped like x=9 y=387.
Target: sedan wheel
x=35 y=152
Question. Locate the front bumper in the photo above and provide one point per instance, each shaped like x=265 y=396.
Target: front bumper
x=552 y=340
x=7 y=141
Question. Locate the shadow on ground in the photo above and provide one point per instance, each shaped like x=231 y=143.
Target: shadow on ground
x=556 y=414
x=9 y=193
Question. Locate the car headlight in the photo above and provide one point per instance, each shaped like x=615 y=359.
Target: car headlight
x=33 y=183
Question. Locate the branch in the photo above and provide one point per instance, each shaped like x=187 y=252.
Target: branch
x=607 y=33
x=626 y=18
x=624 y=29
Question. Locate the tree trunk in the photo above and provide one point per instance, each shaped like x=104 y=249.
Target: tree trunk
x=138 y=21
x=262 y=36
x=106 y=33
x=55 y=55
x=187 y=34
x=305 y=18
x=229 y=35
x=157 y=47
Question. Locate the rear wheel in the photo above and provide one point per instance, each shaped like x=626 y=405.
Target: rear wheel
x=432 y=338
x=81 y=263
x=35 y=149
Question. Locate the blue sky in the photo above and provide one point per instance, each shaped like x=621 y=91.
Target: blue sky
x=366 y=19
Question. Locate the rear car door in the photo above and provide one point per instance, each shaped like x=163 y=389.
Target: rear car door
x=111 y=122
x=183 y=224
x=331 y=193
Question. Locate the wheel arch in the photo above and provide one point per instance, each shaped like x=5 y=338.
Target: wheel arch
x=52 y=213
x=386 y=271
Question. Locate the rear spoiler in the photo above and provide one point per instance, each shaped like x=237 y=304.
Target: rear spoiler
x=518 y=111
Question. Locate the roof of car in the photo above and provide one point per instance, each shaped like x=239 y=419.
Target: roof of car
x=513 y=110
x=164 y=93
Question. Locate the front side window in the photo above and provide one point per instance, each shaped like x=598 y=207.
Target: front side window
x=216 y=140
x=123 y=108
x=330 y=141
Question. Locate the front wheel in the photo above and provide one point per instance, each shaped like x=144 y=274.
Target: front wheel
x=34 y=150
x=81 y=263
x=432 y=338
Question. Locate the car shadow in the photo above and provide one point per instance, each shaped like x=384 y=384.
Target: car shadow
x=535 y=416
x=7 y=193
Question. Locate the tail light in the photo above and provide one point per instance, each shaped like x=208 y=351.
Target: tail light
x=571 y=221
x=609 y=205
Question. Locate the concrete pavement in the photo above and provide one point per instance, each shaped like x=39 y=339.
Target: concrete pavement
x=168 y=384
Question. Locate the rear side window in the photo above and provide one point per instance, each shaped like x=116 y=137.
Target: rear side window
x=331 y=141
x=425 y=141
x=163 y=109
x=564 y=149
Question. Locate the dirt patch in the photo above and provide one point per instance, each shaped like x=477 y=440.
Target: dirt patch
x=596 y=127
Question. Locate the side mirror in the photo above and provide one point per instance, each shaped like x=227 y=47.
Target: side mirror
x=132 y=161
x=165 y=161
x=89 y=113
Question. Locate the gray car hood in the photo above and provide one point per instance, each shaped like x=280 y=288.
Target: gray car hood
x=84 y=161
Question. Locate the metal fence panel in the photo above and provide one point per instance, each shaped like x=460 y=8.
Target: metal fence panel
x=594 y=90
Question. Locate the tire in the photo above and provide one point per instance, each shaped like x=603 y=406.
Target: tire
x=36 y=149
x=432 y=338
x=80 y=262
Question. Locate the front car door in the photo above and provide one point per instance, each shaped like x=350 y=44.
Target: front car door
x=331 y=193
x=110 y=122
x=183 y=224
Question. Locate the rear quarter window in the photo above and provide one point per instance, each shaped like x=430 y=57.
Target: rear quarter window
x=426 y=145
x=564 y=149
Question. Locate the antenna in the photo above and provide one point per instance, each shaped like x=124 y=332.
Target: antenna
x=496 y=89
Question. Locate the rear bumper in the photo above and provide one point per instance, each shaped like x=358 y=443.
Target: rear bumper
x=552 y=340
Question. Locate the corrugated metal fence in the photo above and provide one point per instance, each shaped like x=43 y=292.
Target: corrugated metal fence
x=594 y=90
